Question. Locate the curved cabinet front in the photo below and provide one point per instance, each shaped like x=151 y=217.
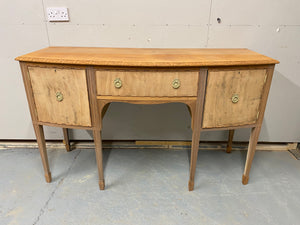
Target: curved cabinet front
x=60 y=95
x=233 y=97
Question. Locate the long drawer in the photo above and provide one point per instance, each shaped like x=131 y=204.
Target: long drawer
x=147 y=83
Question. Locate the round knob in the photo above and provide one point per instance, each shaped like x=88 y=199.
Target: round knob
x=176 y=83
x=59 y=96
x=235 y=98
x=118 y=83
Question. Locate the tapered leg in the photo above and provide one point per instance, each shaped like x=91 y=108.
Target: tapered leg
x=250 y=154
x=195 y=147
x=98 y=151
x=197 y=111
x=194 y=157
x=66 y=140
x=40 y=137
x=229 y=143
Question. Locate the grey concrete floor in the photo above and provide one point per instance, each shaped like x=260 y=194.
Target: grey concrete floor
x=148 y=187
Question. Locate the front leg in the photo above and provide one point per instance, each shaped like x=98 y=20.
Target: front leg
x=194 y=157
x=99 y=157
x=40 y=137
x=102 y=107
x=250 y=154
x=197 y=112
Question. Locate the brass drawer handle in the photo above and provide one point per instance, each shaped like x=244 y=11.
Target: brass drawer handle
x=118 y=83
x=59 y=96
x=235 y=98
x=176 y=83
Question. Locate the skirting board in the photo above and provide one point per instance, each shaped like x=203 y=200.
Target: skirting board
x=171 y=145
x=296 y=152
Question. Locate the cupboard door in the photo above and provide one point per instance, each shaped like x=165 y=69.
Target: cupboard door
x=60 y=95
x=233 y=97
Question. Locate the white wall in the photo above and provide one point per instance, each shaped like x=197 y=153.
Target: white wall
x=158 y=23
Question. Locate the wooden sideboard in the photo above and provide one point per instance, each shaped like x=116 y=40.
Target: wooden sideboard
x=71 y=87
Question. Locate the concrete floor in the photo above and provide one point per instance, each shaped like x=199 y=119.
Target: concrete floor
x=148 y=187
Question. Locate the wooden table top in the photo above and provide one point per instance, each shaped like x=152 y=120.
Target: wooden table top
x=147 y=57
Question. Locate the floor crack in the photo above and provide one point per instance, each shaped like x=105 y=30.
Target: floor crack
x=55 y=189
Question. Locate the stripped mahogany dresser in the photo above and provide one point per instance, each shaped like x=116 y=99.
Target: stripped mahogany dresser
x=71 y=87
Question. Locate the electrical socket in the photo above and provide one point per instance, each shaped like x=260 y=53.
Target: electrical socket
x=57 y=14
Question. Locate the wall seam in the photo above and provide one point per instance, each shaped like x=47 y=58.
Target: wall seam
x=208 y=24
x=45 y=22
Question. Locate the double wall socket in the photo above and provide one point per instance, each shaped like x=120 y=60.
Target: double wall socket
x=57 y=14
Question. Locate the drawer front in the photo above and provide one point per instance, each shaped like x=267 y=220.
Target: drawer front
x=60 y=95
x=147 y=83
x=233 y=97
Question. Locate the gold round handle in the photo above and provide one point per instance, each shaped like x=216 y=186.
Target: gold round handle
x=118 y=83
x=235 y=98
x=59 y=96
x=176 y=83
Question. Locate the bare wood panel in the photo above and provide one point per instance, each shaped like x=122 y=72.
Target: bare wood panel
x=73 y=109
x=28 y=89
x=147 y=57
x=230 y=128
x=146 y=83
x=64 y=125
x=147 y=100
x=220 y=111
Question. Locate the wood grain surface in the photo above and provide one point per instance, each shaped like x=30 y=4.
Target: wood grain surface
x=146 y=83
x=146 y=57
x=147 y=100
x=74 y=108
x=220 y=111
x=256 y=130
x=197 y=114
x=209 y=78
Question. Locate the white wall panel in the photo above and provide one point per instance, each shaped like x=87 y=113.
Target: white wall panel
x=129 y=12
x=15 y=122
x=21 y=12
x=22 y=29
x=174 y=36
x=158 y=23
x=256 y=12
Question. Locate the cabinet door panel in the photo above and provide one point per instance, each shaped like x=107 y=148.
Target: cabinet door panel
x=60 y=95
x=233 y=97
